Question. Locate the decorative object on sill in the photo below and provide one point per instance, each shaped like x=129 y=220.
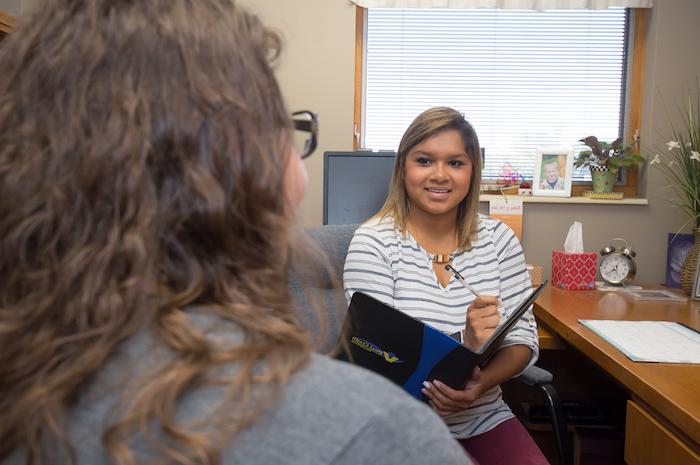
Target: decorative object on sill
x=508 y=180
x=525 y=187
x=604 y=195
x=554 y=169
x=509 y=190
x=602 y=179
x=680 y=164
x=605 y=160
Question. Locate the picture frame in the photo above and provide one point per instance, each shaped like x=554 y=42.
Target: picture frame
x=678 y=246
x=553 y=172
x=695 y=295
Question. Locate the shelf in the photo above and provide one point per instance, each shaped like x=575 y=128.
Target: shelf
x=566 y=200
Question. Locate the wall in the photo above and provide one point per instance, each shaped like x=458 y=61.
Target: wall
x=11 y=7
x=317 y=72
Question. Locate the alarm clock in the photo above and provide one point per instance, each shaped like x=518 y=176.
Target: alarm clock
x=617 y=266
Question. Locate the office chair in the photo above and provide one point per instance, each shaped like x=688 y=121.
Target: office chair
x=542 y=379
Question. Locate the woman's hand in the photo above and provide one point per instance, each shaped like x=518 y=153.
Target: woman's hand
x=446 y=401
x=482 y=321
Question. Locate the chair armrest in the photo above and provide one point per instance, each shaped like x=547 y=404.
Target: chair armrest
x=535 y=376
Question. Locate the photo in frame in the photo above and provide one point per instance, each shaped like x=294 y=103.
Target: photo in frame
x=677 y=249
x=553 y=171
x=696 y=285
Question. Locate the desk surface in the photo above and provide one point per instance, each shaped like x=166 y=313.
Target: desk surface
x=672 y=390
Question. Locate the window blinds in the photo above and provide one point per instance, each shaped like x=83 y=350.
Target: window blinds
x=506 y=4
x=524 y=79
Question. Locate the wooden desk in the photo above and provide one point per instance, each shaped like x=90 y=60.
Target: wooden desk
x=548 y=339
x=663 y=415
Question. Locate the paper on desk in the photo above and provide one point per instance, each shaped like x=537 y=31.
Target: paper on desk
x=650 y=341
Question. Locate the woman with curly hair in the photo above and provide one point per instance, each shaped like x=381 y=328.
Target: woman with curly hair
x=147 y=197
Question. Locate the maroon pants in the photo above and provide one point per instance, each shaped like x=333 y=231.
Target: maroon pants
x=508 y=443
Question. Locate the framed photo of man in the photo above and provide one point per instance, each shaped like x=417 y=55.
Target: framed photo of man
x=553 y=171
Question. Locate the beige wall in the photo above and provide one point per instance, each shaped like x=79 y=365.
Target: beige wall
x=317 y=71
x=12 y=7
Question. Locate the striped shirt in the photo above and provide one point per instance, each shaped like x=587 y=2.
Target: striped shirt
x=396 y=270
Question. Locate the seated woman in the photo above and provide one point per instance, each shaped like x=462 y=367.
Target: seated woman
x=430 y=219
x=147 y=195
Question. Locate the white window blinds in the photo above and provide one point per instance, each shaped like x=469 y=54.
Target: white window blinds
x=524 y=79
x=506 y=4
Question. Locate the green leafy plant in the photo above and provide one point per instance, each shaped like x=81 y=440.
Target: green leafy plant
x=613 y=156
x=681 y=161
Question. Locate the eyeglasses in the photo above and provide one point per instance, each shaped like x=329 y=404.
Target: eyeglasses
x=306 y=132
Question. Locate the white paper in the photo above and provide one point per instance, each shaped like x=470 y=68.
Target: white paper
x=505 y=206
x=650 y=341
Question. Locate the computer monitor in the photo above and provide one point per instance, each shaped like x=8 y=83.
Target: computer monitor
x=355 y=185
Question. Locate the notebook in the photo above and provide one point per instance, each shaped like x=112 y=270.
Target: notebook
x=408 y=351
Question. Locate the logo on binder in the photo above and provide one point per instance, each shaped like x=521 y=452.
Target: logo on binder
x=369 y=347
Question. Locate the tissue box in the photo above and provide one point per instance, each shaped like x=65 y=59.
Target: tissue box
x=573 y=270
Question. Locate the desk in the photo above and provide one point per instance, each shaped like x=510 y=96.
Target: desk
x=663 y=415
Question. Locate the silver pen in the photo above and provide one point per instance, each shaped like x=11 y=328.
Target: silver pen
x=465 y=283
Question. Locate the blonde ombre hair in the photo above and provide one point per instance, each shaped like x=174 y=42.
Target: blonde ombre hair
x=428 y=124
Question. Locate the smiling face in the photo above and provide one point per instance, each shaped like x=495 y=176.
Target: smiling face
x=551 y=170
x=438 y=174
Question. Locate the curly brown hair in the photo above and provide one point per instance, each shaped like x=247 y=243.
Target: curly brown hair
x=142 y=156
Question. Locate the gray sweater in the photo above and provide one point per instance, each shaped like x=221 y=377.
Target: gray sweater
x=331 y=413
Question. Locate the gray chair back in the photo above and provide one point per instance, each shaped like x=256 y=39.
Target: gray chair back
x=334 y=241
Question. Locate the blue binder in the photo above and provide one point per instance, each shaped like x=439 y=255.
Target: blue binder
x=408 y=351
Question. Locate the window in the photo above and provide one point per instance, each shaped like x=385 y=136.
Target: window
x=524 y=79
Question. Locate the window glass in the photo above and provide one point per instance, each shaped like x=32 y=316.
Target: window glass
x=524 y=79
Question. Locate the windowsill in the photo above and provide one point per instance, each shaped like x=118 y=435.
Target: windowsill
x=567 y=200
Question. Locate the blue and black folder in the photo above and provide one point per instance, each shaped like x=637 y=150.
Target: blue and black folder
x=408 y=351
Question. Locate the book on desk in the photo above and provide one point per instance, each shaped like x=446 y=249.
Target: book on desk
x=650 y=341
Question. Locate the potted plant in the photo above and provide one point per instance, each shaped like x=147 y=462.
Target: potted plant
x=605 y=160
x=680 y=164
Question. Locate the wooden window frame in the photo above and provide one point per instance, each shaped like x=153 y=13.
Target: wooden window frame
x=635 y=83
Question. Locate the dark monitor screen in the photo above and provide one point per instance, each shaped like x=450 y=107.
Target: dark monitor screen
x=355 y=185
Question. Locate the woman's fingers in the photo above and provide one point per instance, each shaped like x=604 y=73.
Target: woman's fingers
x=481 y=322
x=446 y=399
x=485 y=301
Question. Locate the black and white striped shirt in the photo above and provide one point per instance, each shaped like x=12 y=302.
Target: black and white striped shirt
x=384 y=264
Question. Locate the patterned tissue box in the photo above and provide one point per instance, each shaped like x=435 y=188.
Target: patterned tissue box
x=575 y=271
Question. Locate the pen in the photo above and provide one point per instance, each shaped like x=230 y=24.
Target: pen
x=464 y=282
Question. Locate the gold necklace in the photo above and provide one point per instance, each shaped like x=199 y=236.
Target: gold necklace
x=441 y=258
